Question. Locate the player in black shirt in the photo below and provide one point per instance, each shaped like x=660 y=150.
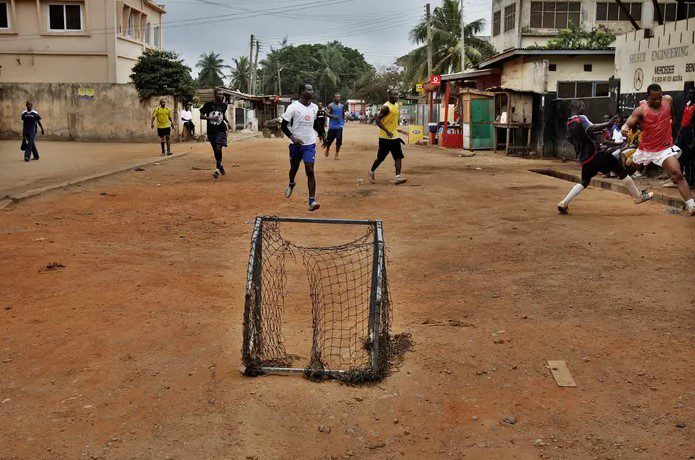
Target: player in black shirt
x=321 y=116
x=215 y=112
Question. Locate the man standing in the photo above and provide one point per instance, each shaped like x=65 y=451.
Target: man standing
x=686 y=139
x=336 y=113
x=215 y=112
x=300 y=125
x=163 y=116
x=187 y=120
x=581 y=133
x=321 y=116
x=30 y=121
x=387 y=121
x=655 y=116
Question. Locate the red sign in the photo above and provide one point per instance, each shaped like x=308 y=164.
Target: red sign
x=436 y=79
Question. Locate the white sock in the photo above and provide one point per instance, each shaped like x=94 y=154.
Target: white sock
x=632 y=188
x=690 y=204
x=576 y=190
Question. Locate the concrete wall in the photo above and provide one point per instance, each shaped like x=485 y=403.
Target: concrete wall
x=114 y=114
x=528 y=73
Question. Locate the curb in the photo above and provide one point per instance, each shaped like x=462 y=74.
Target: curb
x=9 y=199
x=612 y=186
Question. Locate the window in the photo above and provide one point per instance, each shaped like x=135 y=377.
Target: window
x=669 y=11
x=65 y=16
x=148 y=32
x=554 y=15
x=588 y=67
x=129 y=28
x=552 y=67
x=155 y=39
x=4 y=16
x=572 y=89
x=609 y=11
x=496 y=20
x=509 y=17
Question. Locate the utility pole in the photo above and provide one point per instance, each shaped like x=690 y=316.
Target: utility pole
x=255 y=68
x=250 y=65
x=463 y=41
x=429 y=39
x=279 y=81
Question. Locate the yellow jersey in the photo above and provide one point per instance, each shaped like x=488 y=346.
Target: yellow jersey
x=163 y=116
x=391 y=120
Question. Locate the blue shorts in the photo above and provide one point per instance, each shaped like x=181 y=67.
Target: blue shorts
x=306 y=153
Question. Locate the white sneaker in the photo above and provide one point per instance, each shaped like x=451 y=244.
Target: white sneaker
x=372 y=178
x=691 y=211
x=637 y=175
x=646 y=196
x=400 y=180
x=289 y=189
x=669 y=184
x=314 y=205
x=216 y=174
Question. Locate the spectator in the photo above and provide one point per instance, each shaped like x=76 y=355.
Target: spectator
x=187 y=119
x=30 y=119
x=686 y=140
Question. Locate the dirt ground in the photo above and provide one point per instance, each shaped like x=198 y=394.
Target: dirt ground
x=133 y=348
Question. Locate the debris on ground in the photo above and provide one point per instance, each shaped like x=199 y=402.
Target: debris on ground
x=53 y=266
x=139 y=168
x=106 y=194
x=561 y=373
x=509 y=420
x=467 y=155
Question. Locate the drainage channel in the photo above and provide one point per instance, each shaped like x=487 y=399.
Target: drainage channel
x=607 y=184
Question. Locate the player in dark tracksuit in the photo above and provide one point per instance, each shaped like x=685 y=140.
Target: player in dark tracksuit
x=30 y=121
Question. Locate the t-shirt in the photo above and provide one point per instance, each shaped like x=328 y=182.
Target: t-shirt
x=186 y=115
x=216 y=111
x=584 y=143
x=300 y=119
x=337 y=110
x=31 y=120
x=617 y=137
x=688 y=112
x=162 y=116
x=321 y=117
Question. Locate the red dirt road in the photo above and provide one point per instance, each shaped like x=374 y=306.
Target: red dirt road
x=132 y=350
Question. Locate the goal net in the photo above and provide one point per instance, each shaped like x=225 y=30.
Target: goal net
x=320 y=310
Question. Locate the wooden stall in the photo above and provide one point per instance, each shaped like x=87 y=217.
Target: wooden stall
x=478 y=116
x=513 y=120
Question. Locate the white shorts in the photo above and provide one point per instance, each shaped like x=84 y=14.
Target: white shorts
x=644 y=158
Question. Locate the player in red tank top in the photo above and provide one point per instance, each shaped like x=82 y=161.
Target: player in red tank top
x=655 y=117
x=686 y=139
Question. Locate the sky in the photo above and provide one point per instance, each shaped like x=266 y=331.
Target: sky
x=377 y=28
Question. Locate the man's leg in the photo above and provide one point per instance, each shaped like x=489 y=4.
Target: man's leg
x=617 y=167
x=338 y=143
x=29 y=142
x=168 y=144
x=295 y=161
x=162 y=144
x=311 y=179
x=398 y=164
x=673 y=167
x=588 y=171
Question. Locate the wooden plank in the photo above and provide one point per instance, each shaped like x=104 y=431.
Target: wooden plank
x=562 y=375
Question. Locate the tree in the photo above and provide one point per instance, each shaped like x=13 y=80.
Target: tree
x=211 y=72
x=576 y=38
x=329 y=64
x=162 y=73
x=240 y=74
x=372 y=86
x=446 y=44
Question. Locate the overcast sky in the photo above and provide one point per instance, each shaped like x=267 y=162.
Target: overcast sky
x=378 y=28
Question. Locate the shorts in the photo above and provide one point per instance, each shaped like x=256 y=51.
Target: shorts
x=335 y=134
x=392 y=146
x=604 y=163
x=218 y=138
x=161 y=132
x=305 y=153
x=644 y=158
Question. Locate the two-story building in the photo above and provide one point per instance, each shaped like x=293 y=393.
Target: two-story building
x=76 y=41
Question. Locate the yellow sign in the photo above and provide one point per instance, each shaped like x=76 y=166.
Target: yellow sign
x=415 y=133
x=85 y=93
x=420 y=88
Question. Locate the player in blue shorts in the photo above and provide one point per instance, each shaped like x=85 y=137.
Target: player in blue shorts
x=336 y=113
x=300 y=125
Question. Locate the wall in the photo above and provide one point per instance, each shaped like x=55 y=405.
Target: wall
x=114 y=114
x=511 y=38
x=527 y=73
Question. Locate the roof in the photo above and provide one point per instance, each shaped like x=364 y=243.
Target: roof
x=469 y=74
x=156 y=6
x=513 y=53
x=239 y=95
x=500 y=89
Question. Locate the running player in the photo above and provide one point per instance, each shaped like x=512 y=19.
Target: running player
x=163 y=116
x=336 y=113
x=655 y=116
x=215 y=112
x=582 y=135
x=387 y=121
x=300 y=125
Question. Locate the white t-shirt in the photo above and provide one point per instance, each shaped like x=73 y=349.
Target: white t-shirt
x=618 y=136
x=301 y=121
x=186 y=115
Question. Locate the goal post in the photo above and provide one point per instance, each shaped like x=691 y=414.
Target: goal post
x=348 y=294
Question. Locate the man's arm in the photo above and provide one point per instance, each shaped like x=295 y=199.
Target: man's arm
x=329 y=113
x=601 y=126
x=40 y=126
x=320 y=128
x=632 y=121
x=152 y=121
x=674 y=126
x=204 y=111
x=382 y=113
x=285 y=127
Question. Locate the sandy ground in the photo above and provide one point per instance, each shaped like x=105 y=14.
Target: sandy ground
x=132 y=349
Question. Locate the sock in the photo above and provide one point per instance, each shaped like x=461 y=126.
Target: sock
x=311 y=199
x=162 y=144
x=632 y=188
x=690 y=204
x=576 y=190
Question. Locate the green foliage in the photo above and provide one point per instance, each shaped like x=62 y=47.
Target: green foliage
x=240 y=74
x=211 y=73
x=329 y=67
x=373 y=85
x=162 y=73
x=446 y=44
x=576 y=38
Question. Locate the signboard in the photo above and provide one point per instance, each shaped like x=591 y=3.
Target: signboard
x=436 y=80
x=85 y=94
x=420 y=87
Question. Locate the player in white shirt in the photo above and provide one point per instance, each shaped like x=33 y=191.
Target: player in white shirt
x=300 y=125
x=187 y=119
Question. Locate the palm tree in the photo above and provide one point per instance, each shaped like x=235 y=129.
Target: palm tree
x=211 y=72
x=240 y=74
x=329 y=64
x=446 y=43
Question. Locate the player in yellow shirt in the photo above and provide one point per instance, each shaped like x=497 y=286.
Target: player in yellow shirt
x=164 y=118
x=387 y=121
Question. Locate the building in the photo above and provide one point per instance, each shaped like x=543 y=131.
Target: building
x=525 y=23
x=75 y=42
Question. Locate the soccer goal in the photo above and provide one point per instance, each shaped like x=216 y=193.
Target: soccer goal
x=318 y=307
